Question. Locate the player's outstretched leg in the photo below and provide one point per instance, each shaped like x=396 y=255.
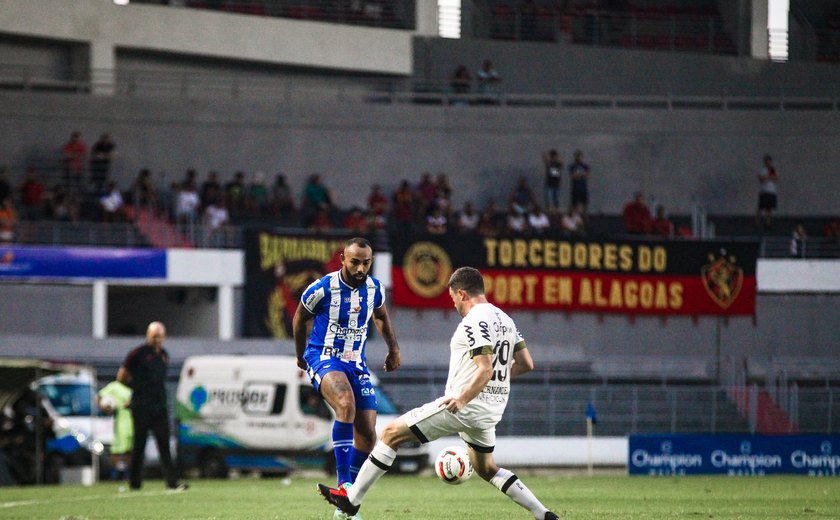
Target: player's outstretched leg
x=509 y=484
x=377 y=464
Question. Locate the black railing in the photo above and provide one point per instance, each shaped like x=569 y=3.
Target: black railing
x=230 y=86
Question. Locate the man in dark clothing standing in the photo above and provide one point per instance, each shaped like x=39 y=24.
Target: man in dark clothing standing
x=100 y=162
x=144 y=370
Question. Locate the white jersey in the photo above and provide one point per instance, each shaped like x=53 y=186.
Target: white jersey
x=485 y=328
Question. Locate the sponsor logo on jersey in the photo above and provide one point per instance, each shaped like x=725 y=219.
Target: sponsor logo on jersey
x=351 y=333
x=470 y=337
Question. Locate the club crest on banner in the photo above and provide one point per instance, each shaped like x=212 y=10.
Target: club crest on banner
x=427 y=268
x=722 y=278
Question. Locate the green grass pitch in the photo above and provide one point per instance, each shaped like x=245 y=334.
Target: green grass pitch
x=426 y=498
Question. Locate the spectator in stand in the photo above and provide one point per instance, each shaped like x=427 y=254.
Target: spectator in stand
x=572 y=223
x=553 y=179
x=403 y=199
x=356 y=221
x=113 y=206
x=101 y=156
x=257 y=198
x=74 y=157
x=797 y=241
x=831 y=234
x=143 y=192
x=321 y=221
x=426 y=195
x=637 y=218
x=210 y=190
x=488 y=82
x=191 y=180
x=216 y=220
x=8 y=220
x=31 y=195
x=282 y=201
x=517 y=220
x=235 y=194
x=443 y=198
x=468 y=219
x=5 y=187
x=461 y=80
x=768 y=180
x=521 y=197
x=579 y=175
x=831 y=230
x=165 y=196
x=538 y=220
x=488 y=226
x=187 y=206
x=316 y=199
x=377 y=207
x=661 y=225
x=436 y=222
x=62 y=205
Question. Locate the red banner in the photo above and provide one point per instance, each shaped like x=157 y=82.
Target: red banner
x=647 y=278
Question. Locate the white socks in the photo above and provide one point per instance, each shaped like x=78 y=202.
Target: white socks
x=375 y=466
x=510 y=485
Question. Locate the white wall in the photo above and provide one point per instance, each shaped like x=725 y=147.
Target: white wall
x=106 y=26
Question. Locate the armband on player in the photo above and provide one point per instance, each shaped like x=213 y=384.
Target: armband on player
x=519 y=346
x=478 y=351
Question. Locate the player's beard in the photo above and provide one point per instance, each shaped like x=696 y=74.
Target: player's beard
x=354 y=280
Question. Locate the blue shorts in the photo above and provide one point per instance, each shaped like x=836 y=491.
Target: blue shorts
x=363 y=391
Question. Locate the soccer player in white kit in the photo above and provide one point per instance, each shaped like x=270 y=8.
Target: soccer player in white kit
x=487 y=351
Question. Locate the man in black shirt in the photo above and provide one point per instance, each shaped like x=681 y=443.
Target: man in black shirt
x=144 y=370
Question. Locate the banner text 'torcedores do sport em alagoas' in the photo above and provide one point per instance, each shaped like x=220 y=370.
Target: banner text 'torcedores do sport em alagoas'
x=646 y=277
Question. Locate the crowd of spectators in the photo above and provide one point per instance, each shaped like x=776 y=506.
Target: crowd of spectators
x=203 y=209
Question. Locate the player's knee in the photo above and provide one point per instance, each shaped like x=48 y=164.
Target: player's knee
x=393 y=435
x=345 y=407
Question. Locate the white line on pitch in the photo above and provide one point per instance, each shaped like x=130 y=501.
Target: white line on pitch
x=134 y=494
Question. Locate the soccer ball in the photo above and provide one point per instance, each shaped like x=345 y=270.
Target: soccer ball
x=452 y=465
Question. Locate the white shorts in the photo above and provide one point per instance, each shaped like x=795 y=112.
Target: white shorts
x=432 y=421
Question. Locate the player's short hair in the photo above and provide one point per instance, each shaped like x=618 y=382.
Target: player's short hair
x=467 y=279
x=359 y=241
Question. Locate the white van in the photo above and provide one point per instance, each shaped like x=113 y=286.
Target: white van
x=260 y=413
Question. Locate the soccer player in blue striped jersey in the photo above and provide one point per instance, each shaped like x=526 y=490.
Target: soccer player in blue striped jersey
x=340 y=306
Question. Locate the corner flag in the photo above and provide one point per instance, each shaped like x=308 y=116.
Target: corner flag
x=590 y=413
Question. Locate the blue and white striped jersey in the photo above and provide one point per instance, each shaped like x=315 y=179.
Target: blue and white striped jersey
x=342 y=314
